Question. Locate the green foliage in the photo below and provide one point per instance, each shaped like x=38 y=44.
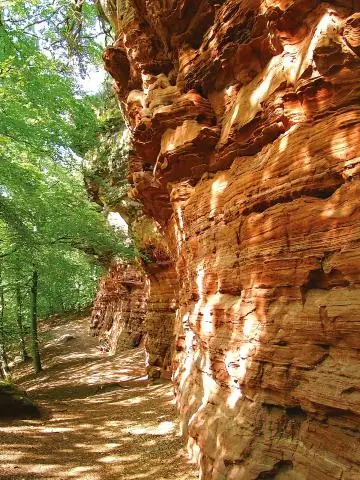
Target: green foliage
x=47 y=223
x=106 y=166
x=68 y=30
x=67 y=282
x=40 y=107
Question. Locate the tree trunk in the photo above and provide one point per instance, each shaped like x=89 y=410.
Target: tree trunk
x=62 y=305
x=19 y=319
x=51 y=308
x=34 y=332
x=4 y=365
x=78 y=303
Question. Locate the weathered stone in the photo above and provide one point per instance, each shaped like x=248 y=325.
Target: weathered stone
x=119 y=310
x=245 y=122
x=162 y=307
x=15 y=403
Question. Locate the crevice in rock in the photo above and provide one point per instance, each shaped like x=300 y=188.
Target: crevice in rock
x=321 y=193
x=296 y=411
x=265 y=204
x=318 y=279
x=281 y=467
x=229 y=462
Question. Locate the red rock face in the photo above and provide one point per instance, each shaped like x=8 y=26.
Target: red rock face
x=162 y=307
x=245 y=121
x=118 y=315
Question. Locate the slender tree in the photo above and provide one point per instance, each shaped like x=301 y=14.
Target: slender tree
x=34 y=325
x=19 y=319
x=4 y=365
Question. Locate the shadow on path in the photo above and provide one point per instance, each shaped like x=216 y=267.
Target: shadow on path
x=105 y=420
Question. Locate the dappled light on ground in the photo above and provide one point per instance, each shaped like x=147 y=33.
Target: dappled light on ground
x=105 y=420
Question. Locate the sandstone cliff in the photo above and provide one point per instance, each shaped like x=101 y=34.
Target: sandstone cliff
x=245 y=137
x=118 y=315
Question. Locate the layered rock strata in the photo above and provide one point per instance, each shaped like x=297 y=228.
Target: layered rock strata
x=245 y=126
x=162 y=302
x=162 y=308
x=118 y=315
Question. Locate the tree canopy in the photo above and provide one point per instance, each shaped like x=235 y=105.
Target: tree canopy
x=47 y=126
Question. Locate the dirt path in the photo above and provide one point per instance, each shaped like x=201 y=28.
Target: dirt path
x=106 y=421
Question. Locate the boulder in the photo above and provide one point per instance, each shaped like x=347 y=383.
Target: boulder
x=15 y=403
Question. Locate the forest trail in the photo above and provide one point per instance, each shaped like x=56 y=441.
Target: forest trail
x=105 y=421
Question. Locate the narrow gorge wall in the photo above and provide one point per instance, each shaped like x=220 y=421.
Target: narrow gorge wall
x=119 y=311
x=245 y=124
x=162 y=308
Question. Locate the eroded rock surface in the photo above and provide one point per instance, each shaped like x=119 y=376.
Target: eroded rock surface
x=245 y=125
x=119 y=310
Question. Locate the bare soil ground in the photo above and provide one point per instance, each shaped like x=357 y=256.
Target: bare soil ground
x=104 y=420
